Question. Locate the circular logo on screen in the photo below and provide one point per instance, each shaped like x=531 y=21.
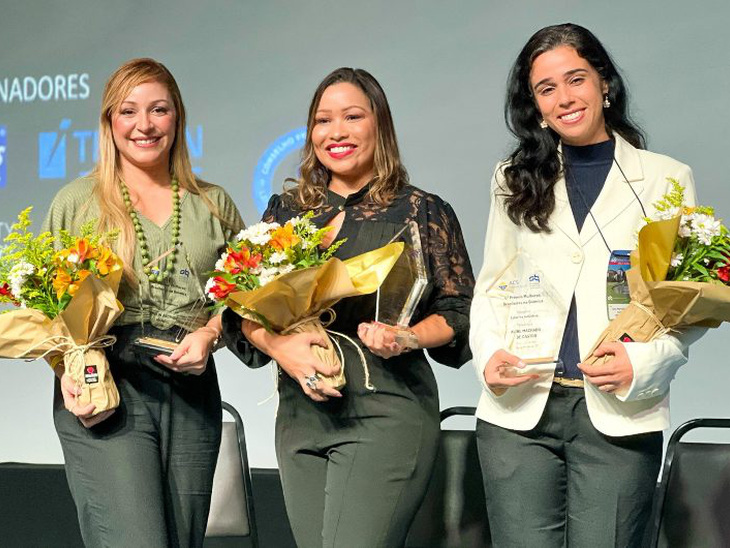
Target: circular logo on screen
x=270 y=160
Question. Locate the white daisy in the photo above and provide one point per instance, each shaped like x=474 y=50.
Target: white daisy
x=267 y=275
x=705 y=227
x=209 y=288
x=220 y=262
x=258 y=234
x=277 y=257
x=685 y=227
x=670 y=213
x=17 y=277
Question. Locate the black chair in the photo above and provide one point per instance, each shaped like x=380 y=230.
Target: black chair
x=454 y=512
x=232 y=517
x=36 y=508
x=692 y=501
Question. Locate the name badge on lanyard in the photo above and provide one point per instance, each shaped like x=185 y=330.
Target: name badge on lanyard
x=617 y=288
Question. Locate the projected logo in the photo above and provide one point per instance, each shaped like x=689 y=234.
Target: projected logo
x=3 y=160
x=69 y=153
x=270 y=160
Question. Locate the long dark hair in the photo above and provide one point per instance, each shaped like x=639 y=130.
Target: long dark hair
x=390 y=174
x=534 y=166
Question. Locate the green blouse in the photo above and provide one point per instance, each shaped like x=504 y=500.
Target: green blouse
x=203 y=238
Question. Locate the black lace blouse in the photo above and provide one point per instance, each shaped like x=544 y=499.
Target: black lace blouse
x=368 y=226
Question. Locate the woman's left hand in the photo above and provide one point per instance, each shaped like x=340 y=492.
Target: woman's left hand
x=380 y=339
x=614 y=375
x=191 y=355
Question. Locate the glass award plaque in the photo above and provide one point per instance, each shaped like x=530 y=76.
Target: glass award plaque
x=187 y=325
x=399 y=294
x=532 y=310
x=186 y=320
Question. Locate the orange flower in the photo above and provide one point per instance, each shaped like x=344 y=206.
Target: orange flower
x=283 y=237
x=221 y=288
x=237 y=262
x=60 y=257
x=106 y=261
x=74 y=287
x=64 y=283
x=81 y=250
x=61 y=282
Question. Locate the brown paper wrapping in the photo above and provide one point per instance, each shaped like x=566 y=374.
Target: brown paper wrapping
x=328 y=356
x=78 y=334
x=658 y=306
x=305 y=294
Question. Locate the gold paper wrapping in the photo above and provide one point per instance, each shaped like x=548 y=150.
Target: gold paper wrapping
x=306 y=293
x=658 y=306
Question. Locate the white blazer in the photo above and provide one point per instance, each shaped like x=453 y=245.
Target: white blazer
x=575 y=263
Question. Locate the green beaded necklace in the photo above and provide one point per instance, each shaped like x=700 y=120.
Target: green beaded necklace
x=142 y=241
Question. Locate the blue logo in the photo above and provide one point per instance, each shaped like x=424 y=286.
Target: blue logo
x=3 y=160
x=270 y=160
x=534 y=279
x=66 y=153
x=52 y=152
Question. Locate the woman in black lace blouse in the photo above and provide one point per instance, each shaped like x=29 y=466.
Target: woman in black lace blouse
x=355 y=464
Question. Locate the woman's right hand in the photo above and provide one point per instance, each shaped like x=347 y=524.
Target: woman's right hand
x=500 y=374
x=294 y=355
x=70 y=391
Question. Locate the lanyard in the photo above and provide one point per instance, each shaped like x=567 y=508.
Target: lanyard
x=585 y=204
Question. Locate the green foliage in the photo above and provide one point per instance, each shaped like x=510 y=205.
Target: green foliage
x=23 y=249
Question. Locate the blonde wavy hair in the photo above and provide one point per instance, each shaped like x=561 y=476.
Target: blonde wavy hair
x=108 y=172
x=390 y=174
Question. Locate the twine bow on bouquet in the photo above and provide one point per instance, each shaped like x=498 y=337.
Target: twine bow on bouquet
x=65 y=303
x=679 y=276
x=279 y=277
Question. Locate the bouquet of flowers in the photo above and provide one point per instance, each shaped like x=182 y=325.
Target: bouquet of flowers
x=65 y=302
x=679 y=276
x=279 y=277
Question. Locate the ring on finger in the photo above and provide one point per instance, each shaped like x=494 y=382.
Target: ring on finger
x=311 y=382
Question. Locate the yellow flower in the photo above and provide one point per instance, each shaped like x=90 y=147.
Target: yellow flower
x=283 y=237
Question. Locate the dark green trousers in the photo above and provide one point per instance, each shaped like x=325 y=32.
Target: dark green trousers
x=563 y=483
x=353 y=481
x=144 y=476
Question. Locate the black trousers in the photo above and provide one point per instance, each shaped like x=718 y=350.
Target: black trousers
x=143 y=477
x=564 y=483
x=353 y=481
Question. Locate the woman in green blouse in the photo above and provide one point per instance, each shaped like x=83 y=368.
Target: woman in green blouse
x=141 y=475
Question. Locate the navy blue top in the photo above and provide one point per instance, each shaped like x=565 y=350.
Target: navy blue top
x=586 y=169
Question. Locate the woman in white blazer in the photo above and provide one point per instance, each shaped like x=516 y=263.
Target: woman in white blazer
x=570 y=453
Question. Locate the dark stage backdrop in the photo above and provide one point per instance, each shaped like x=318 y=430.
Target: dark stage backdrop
x=247 y=70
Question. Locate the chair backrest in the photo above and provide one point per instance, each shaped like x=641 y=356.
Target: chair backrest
x=231 y=507
x=454 y=512
x=692 y=503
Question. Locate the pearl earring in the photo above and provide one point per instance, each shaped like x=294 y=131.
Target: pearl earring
x=543 y=124
x=606 y=102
